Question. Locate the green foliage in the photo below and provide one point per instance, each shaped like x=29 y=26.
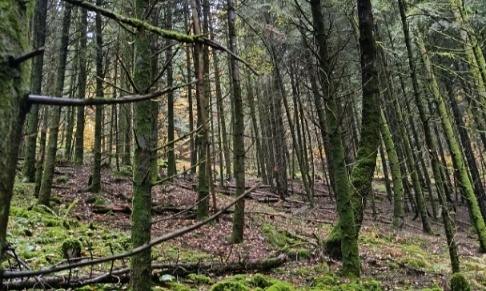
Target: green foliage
x=459 y=283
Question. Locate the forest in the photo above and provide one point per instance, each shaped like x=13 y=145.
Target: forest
x=242 y=145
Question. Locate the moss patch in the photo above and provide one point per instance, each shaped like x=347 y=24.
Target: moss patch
x=334 y=283
x=289 y=243
x=251 y=282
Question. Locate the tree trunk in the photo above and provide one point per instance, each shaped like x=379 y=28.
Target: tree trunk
x=55 y=112
x=348 y=237
x=13 y=89
x=144 y=155
x=203 y=138
x=398 y=212
x=456 y=152
x=238 y=130
x=96 y=168
x=82 y=75
x=171 y=159
x=40 y=20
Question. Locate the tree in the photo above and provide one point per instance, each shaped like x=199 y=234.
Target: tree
x=348 y=237
x=40 y=20
x=82 y=74
x=96 y=168
x=55 y=112
x=238 y=130
x=144 y=155
x=13 y=92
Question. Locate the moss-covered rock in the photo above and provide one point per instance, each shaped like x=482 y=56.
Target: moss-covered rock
x=459 y=283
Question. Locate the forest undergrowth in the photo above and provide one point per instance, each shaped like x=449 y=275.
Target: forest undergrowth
x=282 y=248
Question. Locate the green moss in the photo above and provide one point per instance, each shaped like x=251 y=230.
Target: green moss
x=200 y=279
x=326 y=281
x=280 y=286
x=229 y=286
x=175 y=286
x=274 y=236
x=417 y=262
x=459 y=283
x=251 y=282
x=332 y=282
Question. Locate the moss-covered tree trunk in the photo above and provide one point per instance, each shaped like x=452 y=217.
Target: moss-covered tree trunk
x=40 y=20
x=398 y=211
x=363 y=170
x=14 y=30
x=456 y=151
x=348 y=236
x=96 y=167
x=55 y=112
x=81 y=90
x=238 y=130
x=144 y=156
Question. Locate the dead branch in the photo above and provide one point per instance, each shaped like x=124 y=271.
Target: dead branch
x=122 y=276
x=49 y=100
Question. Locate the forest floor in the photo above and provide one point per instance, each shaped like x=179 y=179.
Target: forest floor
x=404 y=259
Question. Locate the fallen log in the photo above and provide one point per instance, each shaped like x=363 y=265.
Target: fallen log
x=102 y=209
x=122 y=276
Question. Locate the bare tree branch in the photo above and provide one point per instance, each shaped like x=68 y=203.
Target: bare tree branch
x=48 y=100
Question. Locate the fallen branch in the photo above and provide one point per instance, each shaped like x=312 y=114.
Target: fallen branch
x=121 y=276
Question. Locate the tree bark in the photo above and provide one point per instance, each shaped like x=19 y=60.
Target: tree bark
x=13 y=91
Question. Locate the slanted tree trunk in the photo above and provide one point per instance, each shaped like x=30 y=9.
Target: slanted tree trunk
x=13 y=89
x=55 y=112
x=40 y=20
x=398 y=212
x=429 y=140
x=456 y=152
